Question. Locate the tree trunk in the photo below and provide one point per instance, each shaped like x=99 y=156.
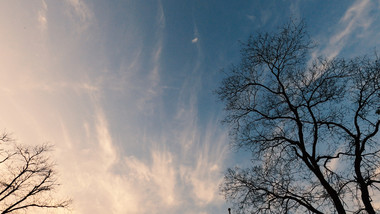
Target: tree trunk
x=363 y=186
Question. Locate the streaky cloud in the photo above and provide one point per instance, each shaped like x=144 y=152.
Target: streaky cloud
x=82 y=16
x=356 y=17
x=81 y=9
x=42 y=18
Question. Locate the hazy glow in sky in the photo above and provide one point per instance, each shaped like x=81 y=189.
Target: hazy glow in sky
x=123 y=89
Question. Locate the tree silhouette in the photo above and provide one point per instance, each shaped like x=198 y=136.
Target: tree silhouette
x=311 y=125
x=27 y=177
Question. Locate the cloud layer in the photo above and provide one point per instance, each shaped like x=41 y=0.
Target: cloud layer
x=116 y=151
x=129 y=121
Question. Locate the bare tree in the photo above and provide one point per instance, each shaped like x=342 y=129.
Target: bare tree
x=311 y=125
x=27 y=178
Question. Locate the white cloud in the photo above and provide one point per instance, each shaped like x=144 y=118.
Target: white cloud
x=81 y=9
x=104 y=137
x=61 y=98
x=196 y=34
x=151 y=85
x=160 y=15
x=356 y=17
x=81 y=15
x=205 y=175
x=42 y=19
x=251 y=17
x=158 y=177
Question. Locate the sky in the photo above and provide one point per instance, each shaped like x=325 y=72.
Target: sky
x=124 y=90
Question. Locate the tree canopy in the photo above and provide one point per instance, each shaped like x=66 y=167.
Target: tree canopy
x=311 y=123
x=27 y=177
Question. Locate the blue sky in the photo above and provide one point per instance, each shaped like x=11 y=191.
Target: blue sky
x=123 y=89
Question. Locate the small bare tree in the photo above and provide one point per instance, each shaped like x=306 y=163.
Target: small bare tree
x=27 y=177
x=312 y=127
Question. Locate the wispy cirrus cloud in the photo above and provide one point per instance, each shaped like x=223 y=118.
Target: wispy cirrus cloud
x=115 y=152
x=153 y=79
x=179 y=174
x=357 y=17
x=196 y=34
x=42 y=16
x=81 y=9
x=81 y=15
